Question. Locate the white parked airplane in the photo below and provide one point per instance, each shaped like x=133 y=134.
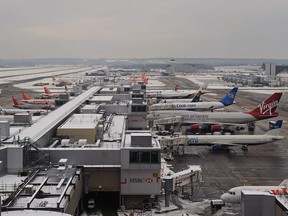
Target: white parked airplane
x=234 y=194
x=225 y=141
x=14 y=111
x=265 y=110
x=226 y=101
x=166 y=94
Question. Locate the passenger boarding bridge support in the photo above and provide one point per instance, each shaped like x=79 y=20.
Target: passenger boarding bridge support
x=174 y=181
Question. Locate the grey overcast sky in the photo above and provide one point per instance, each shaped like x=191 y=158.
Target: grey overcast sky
x=143 y=28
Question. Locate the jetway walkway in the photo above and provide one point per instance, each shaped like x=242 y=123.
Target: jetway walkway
x=42 y=127
x=165 y=121
x=176 y=180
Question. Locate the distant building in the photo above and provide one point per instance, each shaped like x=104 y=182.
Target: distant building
x=273 y=69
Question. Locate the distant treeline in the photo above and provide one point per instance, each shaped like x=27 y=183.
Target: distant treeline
x=152 y=62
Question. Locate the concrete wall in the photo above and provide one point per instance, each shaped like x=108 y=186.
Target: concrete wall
x=121 y=97
x=140 y=182
x=137 y=121
x=3 y=158
x=75 y=197
x=79 y=133
x=14 y=159
x=107 y=178
x=257 y=204
x=87 y=156
x=139 y=179
x=114 y=108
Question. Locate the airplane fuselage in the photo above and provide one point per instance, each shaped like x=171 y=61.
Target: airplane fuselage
x=234 y=194
x=187 y=106
x=231 y=139
x=190 y=117
x=39 y=101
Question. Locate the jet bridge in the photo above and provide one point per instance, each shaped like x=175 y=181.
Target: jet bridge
x=165 y=121
x=176 y=180
x=174 y=145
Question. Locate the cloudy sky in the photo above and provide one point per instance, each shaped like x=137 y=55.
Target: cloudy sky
x=143 y=28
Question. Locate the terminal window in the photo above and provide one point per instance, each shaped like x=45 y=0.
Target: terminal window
x=142 y=108
x=146 y=157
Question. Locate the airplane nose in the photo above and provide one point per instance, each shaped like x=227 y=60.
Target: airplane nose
x=224 y=197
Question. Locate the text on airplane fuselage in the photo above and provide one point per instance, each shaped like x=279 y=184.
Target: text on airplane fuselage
x=196 y=116
x=184 y=105
x=282 y=191
x=192 y=140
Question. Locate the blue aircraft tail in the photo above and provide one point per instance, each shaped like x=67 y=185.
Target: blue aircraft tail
x=229 y=97
x=277 y=124
x=274 y=129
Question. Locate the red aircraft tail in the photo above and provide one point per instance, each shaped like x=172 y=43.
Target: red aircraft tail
x=25 y=96
x=47 y=91
x=267 y=108
x=15 y=101
x=176 y=87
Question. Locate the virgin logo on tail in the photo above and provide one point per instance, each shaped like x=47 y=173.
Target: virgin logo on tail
x=267 y=107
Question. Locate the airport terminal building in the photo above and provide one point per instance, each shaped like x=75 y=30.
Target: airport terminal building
x=71 y=156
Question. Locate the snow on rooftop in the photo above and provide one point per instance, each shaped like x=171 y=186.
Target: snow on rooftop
x=101 y=98
x=127 y=143
x=82 y=121
x=11 y=179
x=116 y=128
x=106 y=89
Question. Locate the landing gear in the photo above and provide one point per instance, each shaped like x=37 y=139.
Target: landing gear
x=220 y=148
x=244 y=148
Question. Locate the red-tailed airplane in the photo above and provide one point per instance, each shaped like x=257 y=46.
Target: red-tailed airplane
x=49 y=94
x=27 y=99
x=144 y=78
x=234 y=194
x=217 y=120
x=15 y=111
x=176 y=93
x=21 y=105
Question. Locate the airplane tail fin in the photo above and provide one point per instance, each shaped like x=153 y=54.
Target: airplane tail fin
x=267 y=108
x=46 y=90
x=229 y=97
x=53 y=78
x=15 y=101
x=176 y=87
x=196 y=98
x=66 y=89
x=25 y=96
x=275 y=129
